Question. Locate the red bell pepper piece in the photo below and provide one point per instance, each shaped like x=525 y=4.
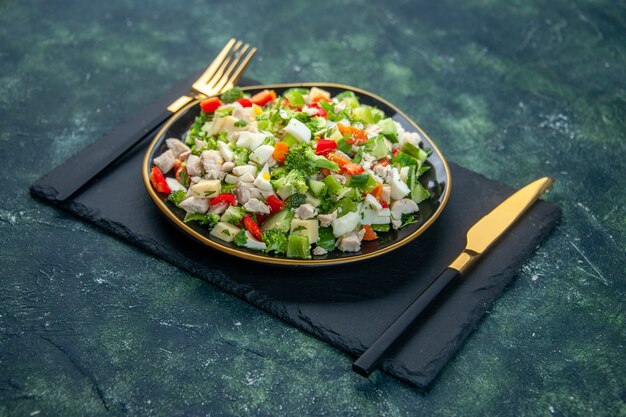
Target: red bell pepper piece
x=263 y=97
x=352 y=168
x=395 y=152
x=384 y=204
x=356 y=136
x=280 y=151
x=378 y=192
x=158 y=181
x=224 y=198
x=275 y=203
x=245 y=102
x=252 y=227
x=320 y=97
x=370 y=234
x=210 y=104
x=338 y=159
x=260 y=218
x=320 y=111
x=324 y=146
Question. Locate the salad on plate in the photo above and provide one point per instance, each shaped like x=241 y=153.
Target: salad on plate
x=297 y=175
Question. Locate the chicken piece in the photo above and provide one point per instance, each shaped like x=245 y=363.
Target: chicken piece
x=367 y=161
x=400 y=207
x=245 y=191
x=165 y=161
x=411 y=137
x=212 y=162
x=382 y=171
x=340 y=178
x=257 y=206
x=306 y=211
x=219 y=208
x=194 y=166
x=349 y=242
x=318 y=251
x=327 y=219
x=228 y=166
x=372 y=130
x=183 y=156
x=177 y=146
x=311 y=111
x=195 y=205
x=240 y=113
x=247 y=177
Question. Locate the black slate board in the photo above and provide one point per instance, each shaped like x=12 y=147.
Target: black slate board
x=347 y=306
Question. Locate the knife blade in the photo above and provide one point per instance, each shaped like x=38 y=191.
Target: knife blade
x=480 y=237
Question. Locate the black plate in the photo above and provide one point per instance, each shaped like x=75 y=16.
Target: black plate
x=436 y=180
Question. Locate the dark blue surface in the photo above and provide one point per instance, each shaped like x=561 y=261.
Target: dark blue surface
x=91 y=326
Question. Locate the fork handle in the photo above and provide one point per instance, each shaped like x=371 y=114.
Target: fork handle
x=82 y=167
x=66 y=179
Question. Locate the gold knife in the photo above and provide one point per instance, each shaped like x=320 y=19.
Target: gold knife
x=480 y=238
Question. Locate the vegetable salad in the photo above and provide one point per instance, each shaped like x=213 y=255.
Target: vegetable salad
x=300 y=174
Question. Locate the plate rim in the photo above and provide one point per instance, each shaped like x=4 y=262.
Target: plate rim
x=293 y=261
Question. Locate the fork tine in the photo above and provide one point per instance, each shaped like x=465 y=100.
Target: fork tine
x=207 y=86
x=226 y=69
x=226 y=78
x=240 y=70
x=217 y=62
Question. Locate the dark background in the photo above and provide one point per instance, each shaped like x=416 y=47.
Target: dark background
x=512 y=90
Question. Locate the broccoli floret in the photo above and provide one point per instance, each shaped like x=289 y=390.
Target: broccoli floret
x=302 y=158
x=209 y=219
x=241 y=156
x=304 y=117
x=293 y=182
x=326 y=206
x=206 y=144
x=177 y=197
x=320 y=161
x=297 y=159
x=275 y=240
x=296 y=200
x=241 y=239
x=316 y=123
x=231 y=95
x=196 y=128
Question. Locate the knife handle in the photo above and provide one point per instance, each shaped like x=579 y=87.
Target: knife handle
x=374 y=355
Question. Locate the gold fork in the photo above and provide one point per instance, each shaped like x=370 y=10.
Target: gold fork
x=222 y=75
